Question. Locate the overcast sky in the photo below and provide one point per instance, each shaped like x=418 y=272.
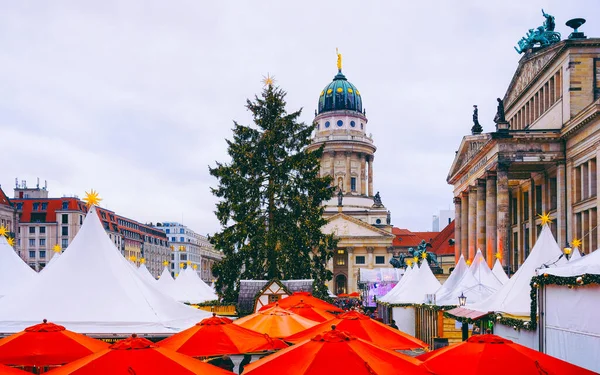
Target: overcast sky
x=135 y=98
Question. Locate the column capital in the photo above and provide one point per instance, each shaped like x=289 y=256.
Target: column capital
x=350 y=250
x=490 y=175
x=348 y=153
x=332 y=153
x=390 y=249
x=503 y=165
x=481 y=182
x=472 y=189
x=456 y=200
x=370 y=249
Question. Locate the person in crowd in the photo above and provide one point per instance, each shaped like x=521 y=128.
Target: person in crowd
x=393 y=325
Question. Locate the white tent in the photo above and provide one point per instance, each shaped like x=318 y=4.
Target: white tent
x=453 y=280
x=513 y=298
x=14 y=272
x=191 y=288
x=146 y=275
x=396 y=289
x=55 y=256
x=576 y=255
x=417 y=287
x=165 y=282
x=571 y=326
x=499 y=272
x=93 y=289
x=477 y=284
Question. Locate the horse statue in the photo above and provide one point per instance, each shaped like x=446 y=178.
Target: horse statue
x=543 y=35
x=399 y=261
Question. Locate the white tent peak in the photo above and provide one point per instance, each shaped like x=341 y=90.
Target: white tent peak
x=589 y=264
x=499 y=272
x=423 y=282
x=454 y=278
x=514 y=296
x=14 y=272
x=145 y=274
x=410 y=270
x=93 y=289
x=575 y=254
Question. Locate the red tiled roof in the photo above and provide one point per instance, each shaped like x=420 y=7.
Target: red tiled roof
x=54 y=204
x=406 y=238
x=4 y=199
x=440 y=244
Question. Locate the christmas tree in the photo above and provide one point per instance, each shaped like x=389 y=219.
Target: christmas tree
x=270 y=201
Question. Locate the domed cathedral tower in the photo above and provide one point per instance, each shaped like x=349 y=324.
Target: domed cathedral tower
x=356 y=213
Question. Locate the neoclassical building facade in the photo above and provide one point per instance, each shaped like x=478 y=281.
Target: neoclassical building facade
x=543 y=159
x=356 y=215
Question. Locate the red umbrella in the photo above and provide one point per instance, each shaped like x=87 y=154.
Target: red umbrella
x=138 y=356
x=365 y=328
x=298 y=297
x=218 y=336
x=276 y=322
x=5 y=370
x=46 y=344
x=335 y=352
x=310 y=312
x=494 y=355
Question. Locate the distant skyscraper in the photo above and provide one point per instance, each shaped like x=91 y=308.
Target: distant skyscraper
x=442 y=220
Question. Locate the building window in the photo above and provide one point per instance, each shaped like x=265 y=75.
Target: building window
x=514 y=211
x=81 y=220
x=274 y=298
x=42 y=230
x=167 y=231
x=538 y=200
x=360 y=259
x=65 y=219
x=181 y=231
x=340 y=123
x=352 y=123
x=340 y=260
x=42 y=242
x=64 y=243
x=353 y=183
x=19 y=206
x=65 y=231
x=31 y=230
x=526 y=244
x=42 y=254
x=65 y=205
x=525 y=206
x=327 y=124
x=44 y=206
x=553 y=192
x=380 y=259
x=32 y=254
x=36 y=206
x=181 y=239
x=32 y=242
x=173 y=239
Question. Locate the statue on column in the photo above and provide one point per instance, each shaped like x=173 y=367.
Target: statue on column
x=476 y=129
x=340 y=197
x=377 y=200
x=500 y=116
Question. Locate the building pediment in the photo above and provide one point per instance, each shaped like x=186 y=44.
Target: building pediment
x=470 y=147
x=346 y=226
x=528 y=70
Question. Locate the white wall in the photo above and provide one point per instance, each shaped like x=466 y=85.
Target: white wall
x=405 y=319
x=526 y=338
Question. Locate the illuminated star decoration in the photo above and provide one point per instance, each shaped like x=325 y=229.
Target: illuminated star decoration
x=11 y=241
x=132 y=258
x=181 y=265
x=92 y=198
x=576 y=242
x=268 y=80
x=195 y=266
x=166 y=263
x=545 y=218
x=416 y=259
x=57 y=248
x=424 y=255
x=409 y=262
x=189 y=262
x=499 y=255
x=3 y=231
x=143 y=260
x=469 y=262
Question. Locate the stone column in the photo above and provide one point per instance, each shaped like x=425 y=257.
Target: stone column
x=464 y=224
x=472 y=244
x=351 y=282
x=370 y=250
x=532 y=226
x=491 y=217
x=457 y=228
x=569 y=197
x=332 y=168
x=597 y=196
x=502 y=213
x=481 y=216
x=363 y=175
x=347 y=186
x=371 y=158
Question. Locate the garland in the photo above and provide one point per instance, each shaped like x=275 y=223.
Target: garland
x=214 y=303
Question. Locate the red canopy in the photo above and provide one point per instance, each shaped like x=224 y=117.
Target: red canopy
x=494 y=355
x=335 y=352
x=365 y=328
x=46 y=344
x=138 y=356
x=218 y=336
x=306 y=297
x=310 y=312
x=276 y=322
x=5 y=370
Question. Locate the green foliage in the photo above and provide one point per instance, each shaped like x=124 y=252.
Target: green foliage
x=270 y=197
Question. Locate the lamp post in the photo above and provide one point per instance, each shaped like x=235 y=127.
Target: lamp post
x=462 y=301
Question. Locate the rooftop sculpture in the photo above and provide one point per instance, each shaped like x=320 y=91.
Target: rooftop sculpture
x=543 y=35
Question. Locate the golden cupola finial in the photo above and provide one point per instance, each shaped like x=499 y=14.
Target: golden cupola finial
x=339 y=60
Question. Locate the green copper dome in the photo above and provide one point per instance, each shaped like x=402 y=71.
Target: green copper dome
x=340 y=95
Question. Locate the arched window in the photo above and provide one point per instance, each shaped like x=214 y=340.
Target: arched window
x=340 y=284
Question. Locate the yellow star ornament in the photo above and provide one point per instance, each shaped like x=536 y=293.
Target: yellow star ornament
x=576 y=242
x=11 y=241
x=195 y=266
x=499 y=255
x=57 y=248
x=166 y=263
x=3 y=231
x=545 y=218
x=268 y=80
x=469 y=262
x=424 y=255
x=409 y=262
x=143 y=260
x=416 y=259
x=92 y=198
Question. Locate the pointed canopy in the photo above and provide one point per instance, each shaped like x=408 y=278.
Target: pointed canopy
x=494 y=355
x=146 y=275
x=336 y=352
x=498 y=270
x=54 y=259
x=364 y=328
x=514 y=296
x=14 y=272
x=306 y=297
x=575 y=255
x=453 y=279
x=166 y=283
x=93 y=289
x=310 y=312
x=191 y=288
x=410 y=272
x=589 y=264
x=414 y=290
x=275 y=322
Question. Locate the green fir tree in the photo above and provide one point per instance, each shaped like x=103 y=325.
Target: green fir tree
x=270 y=201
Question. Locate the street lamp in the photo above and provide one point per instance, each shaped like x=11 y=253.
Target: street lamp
x=462 y=301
